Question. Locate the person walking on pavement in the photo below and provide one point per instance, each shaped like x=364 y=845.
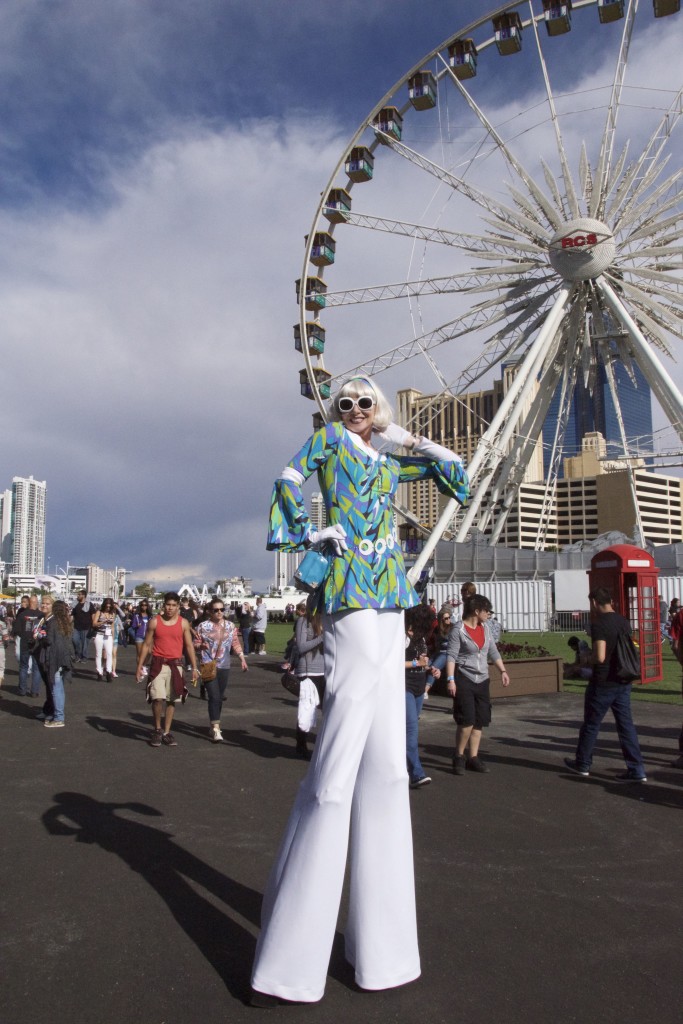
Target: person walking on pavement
x=605 y=692
x=217 y=638
x=27 y=618
x=82 y=619
x=167 y=634
x=471 y=647
x=258 y=632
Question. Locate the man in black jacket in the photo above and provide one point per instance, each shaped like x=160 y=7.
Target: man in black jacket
x=605 y=691
x=82 y=616
x=24 y=622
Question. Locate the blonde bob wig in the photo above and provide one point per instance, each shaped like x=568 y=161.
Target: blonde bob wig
x=355 y=388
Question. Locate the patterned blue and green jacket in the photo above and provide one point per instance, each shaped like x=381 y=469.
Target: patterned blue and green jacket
x=357 y=490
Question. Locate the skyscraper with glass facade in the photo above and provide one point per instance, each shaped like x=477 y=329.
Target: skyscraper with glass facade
x=596 y=411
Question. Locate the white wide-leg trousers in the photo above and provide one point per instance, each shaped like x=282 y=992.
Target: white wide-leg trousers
x=357 y=779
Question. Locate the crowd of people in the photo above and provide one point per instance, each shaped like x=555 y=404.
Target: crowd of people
x=52 y=639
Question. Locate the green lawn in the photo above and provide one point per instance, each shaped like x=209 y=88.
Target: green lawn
x=668 y=691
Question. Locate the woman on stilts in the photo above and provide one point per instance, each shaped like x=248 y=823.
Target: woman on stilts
x=357 y=780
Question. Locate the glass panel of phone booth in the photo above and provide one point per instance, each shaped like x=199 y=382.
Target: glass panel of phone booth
x=642 y=610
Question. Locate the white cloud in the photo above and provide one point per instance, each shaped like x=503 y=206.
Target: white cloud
x=150 y=368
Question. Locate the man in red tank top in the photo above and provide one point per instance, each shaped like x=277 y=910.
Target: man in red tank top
x=167 y=635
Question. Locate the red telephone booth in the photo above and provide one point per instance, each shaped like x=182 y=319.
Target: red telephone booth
x=630 y=575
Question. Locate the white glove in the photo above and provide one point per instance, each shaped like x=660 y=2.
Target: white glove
x=332 y=535
x=435 y=451
x=393 y=437
x=308 y=702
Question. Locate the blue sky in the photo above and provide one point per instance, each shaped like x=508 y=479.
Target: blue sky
x=160 y=163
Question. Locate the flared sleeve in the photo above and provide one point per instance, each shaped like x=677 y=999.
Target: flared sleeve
x=449 y=476
x=289 y=525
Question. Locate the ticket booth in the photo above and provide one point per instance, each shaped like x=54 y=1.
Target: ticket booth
x=630 y=575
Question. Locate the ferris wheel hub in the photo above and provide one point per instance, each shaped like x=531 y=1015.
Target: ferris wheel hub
x=582 y=249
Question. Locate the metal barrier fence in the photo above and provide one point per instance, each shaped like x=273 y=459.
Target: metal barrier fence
x=569 y=622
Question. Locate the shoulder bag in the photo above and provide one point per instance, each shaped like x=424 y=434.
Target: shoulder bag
x=628 y=659
x=208 y=670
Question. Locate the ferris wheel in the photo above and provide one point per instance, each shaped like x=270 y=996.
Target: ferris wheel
x=514 y=200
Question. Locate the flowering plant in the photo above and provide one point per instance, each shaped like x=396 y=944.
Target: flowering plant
x=514 y=651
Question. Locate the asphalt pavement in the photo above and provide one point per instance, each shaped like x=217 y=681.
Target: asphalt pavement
x=132 y=876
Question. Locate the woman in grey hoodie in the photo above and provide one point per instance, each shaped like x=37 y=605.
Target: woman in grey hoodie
x=470 y=649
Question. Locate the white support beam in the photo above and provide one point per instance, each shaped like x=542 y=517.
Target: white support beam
x=663 y=387
x=483 y=452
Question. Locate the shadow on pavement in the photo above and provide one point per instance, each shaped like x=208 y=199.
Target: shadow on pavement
x=172 y=872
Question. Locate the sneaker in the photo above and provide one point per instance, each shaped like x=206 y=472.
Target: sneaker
x=458 y=764
x=41 y=716
x=576 y=768
x=475 y=764
x=155 y=739
x=168 y=740
x=51 y=723
x=632 y=775
x=216 y=735
x=424 y=781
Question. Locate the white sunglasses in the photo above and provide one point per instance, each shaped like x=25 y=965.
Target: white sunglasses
x=365 y=402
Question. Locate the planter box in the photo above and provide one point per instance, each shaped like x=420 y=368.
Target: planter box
x=527 y=676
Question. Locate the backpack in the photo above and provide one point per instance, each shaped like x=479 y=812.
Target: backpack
x=627 y=658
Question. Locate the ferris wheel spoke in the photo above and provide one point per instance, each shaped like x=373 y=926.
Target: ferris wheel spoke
x=514 y=219
x=652 y=328
x=652 y=229
x=474 y=320
x=544 y=206
x=667 y=317
x=647 y=296
x=480 y=280
x=512 y=470
x=663 y=251
x=512 y=245
x=666 y=392
x=480 y=245
x=640 y=212
x=630 y=187
x=476 y=195
x=614 y=186
x=551 y=182
x=585 y=175
x=596 y=208
x=627 y=215
x=503 y=345
x=570 y=192
x=660 y=277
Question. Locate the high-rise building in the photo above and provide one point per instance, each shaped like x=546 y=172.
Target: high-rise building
x=6 y=528
x=596 y=496
x=596 y=411
x=28 y=525
x=458 y=423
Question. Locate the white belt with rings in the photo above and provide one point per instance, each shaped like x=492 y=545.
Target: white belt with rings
x=367 y=547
